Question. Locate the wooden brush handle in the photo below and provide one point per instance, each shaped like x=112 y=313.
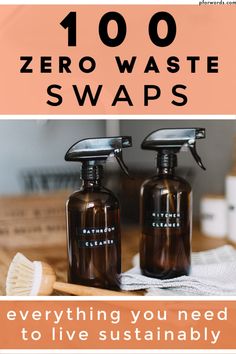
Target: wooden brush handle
x=82 y=290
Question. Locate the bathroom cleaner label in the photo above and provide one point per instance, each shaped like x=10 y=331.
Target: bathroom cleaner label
x=96 y=237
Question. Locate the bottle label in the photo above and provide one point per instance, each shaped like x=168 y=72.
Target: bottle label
x=163 y=220
x=94 y=237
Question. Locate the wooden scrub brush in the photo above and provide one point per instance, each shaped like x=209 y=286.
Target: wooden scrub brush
x=26 y=278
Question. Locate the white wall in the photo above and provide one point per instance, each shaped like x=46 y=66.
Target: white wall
x=28 y=144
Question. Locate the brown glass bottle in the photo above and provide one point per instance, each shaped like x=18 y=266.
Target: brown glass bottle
x=166 y=212
x=94 y=245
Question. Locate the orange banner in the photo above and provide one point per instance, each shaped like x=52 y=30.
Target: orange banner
x=129 y=324
x=117 y=59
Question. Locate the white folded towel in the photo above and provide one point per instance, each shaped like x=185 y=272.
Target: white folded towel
x=212 y=272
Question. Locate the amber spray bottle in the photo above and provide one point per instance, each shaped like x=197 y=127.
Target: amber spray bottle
x=93 y=216
x=166 y=206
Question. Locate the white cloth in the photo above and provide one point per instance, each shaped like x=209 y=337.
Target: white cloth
x=212 y=272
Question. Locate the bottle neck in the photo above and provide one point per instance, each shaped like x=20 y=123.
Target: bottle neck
x=91 y=176
x=166 y=171
x=91 y=184
x=166 y=163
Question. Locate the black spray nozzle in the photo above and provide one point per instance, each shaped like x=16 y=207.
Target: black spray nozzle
x=95 y=151
x=170 y=141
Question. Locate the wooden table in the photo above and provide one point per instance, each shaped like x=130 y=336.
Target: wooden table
x=56 y=256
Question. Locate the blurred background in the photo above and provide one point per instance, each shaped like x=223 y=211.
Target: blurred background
x=35 y=183
x=32 y=156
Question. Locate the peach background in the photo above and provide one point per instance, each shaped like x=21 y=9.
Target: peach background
x=10 y=330
x=35 y=30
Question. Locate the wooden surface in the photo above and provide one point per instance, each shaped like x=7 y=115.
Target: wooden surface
x=56 y=255
x=32 y=220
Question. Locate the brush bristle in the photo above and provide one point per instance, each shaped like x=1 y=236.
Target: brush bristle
x=21 y=276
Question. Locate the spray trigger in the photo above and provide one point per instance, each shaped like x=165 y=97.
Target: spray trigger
x=119 y=157
x=197 y=158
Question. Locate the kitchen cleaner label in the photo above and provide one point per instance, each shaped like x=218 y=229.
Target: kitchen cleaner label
x=163 y=220
x=94 y=237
